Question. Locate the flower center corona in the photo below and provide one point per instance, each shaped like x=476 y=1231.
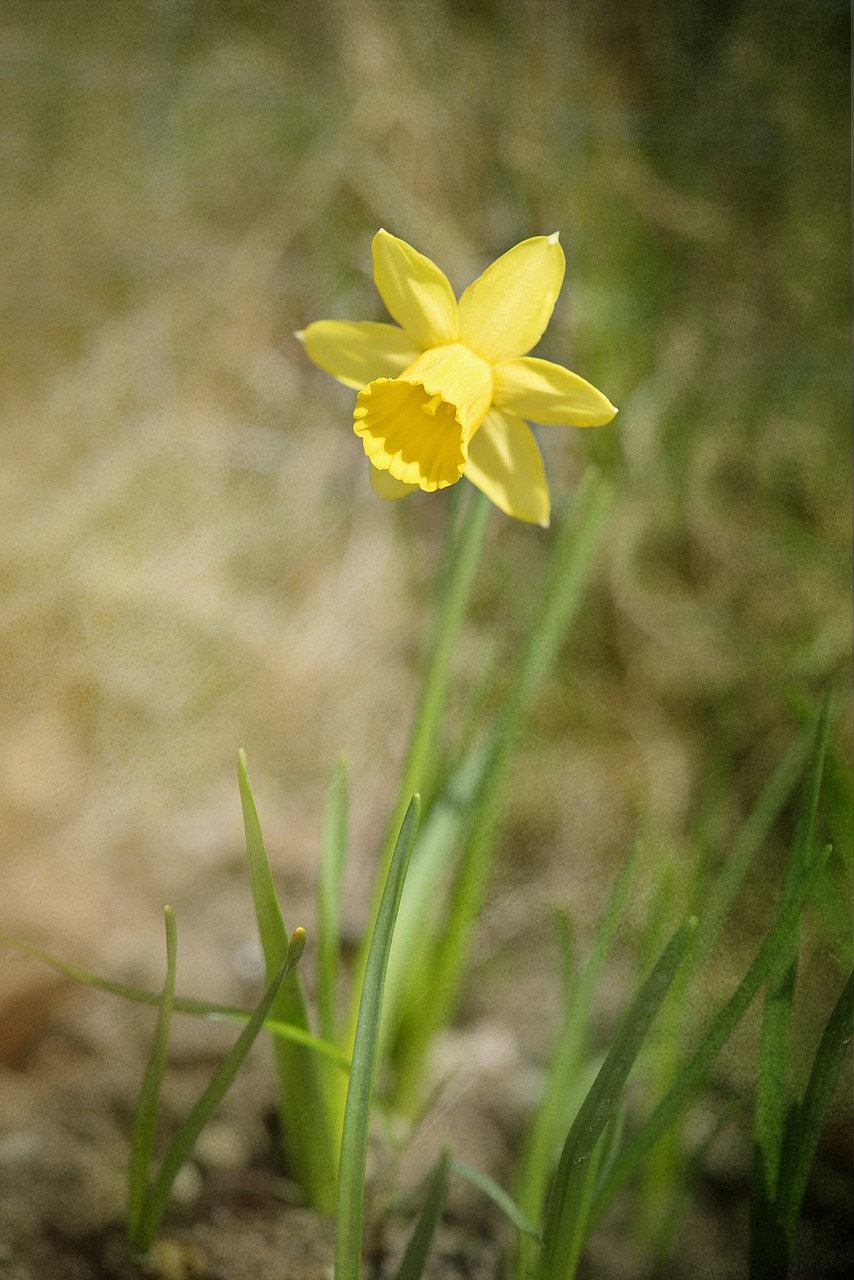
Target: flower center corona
x=418 y=426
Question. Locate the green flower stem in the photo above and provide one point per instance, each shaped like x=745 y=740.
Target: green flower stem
x=455 y=590
x=570 y=562
x=455 y=585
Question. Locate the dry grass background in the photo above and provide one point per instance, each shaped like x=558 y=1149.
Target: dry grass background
x=192 y=559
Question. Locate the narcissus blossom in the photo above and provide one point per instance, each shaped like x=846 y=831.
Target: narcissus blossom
x=447 y=394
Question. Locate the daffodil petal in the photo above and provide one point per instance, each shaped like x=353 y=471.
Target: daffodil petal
x=505 y=463
x=387 y=487
x=506 y=311
x=358 y=351
x=418 y=295
x=548 y=393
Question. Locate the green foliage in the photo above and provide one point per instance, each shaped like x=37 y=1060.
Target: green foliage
x=590 y=1172
x=237 y=158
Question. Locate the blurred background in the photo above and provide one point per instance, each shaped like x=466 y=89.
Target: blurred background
x=191 y=558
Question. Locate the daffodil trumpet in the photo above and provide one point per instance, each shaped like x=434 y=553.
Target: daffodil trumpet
x=447 y=393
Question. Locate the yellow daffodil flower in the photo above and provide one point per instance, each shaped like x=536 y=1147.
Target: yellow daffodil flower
x=446 y=394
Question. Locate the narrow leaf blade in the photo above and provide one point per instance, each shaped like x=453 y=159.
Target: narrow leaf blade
x=187 y=1135
x=415 y=1259
x=145 y=1117
x=307 y=1093
x=354 y=1141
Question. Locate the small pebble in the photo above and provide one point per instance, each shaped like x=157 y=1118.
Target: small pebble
x=188 y=1185
x=221 y=1146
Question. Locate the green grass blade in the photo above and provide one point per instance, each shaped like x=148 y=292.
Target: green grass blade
x=415 y=1259
x=145 y=1117
x=181 y=1004
x=771 y=1100
x=806 y=1119
x=551 y=1119
x=187 y=1135
x=333 y=851
x=498 y=1196
x=307 y=1092
x=568 y=1211
x=354 y=1140
x=694 y=1072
